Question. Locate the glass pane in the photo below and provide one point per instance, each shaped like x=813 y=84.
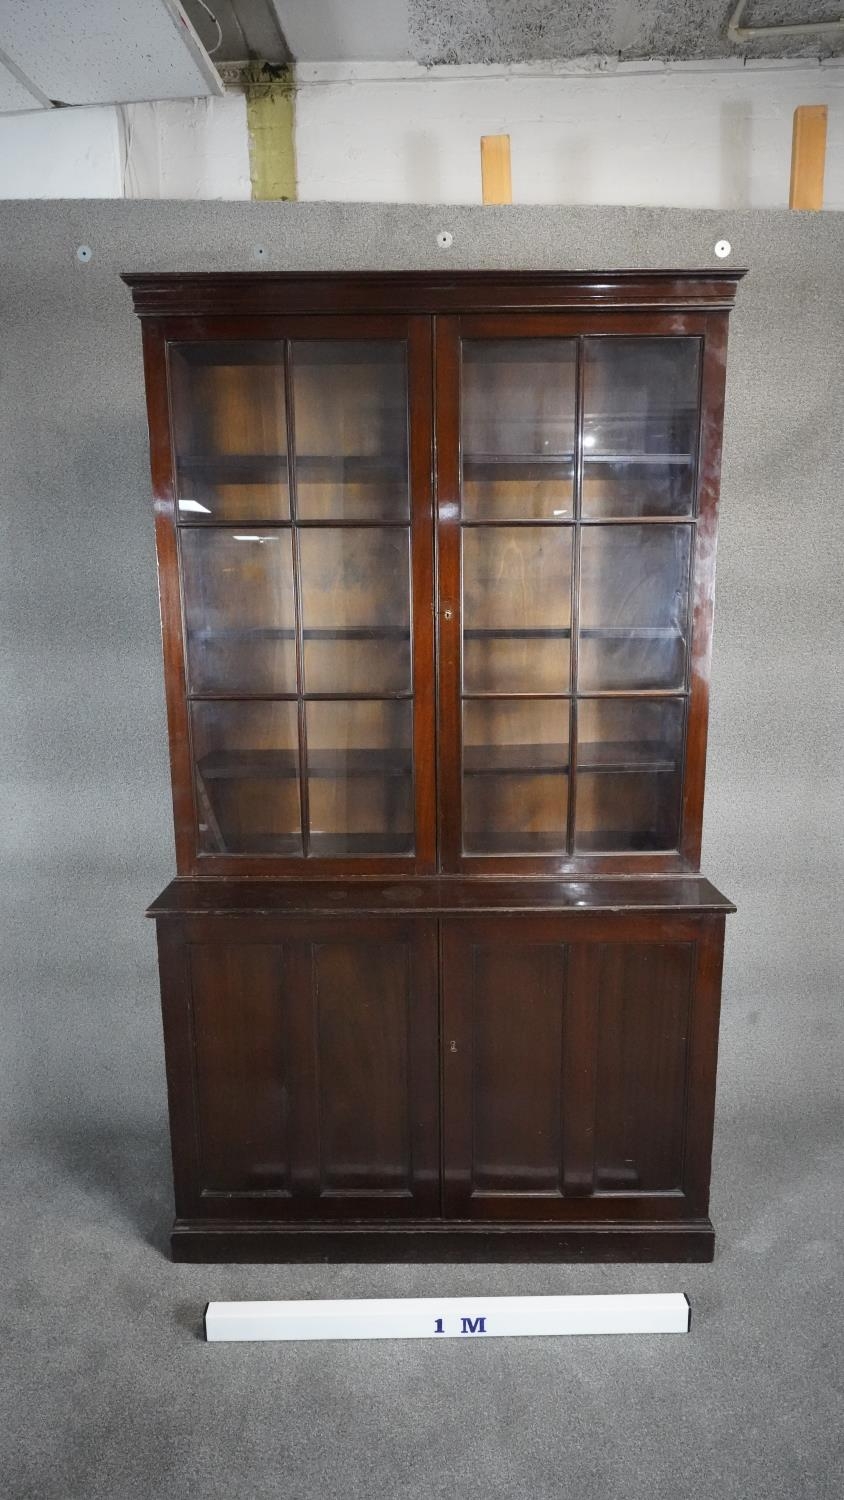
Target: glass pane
x=246 y=758
x=239 y=614
x=356 y=610
x=350 y=409
x=629 y=774
x=634 y=589
x=640 y=426
x=360 y=778
x=516 y=609
x=517 y=418
x=515 y=776
x=230 y=431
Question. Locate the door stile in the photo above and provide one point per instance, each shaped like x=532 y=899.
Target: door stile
x=421 y=422
x=448 y=601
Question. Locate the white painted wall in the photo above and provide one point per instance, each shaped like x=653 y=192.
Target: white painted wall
x=683 y=136
x=643 y=135
x=196 y=148
x=193 y=148
x=61 y=153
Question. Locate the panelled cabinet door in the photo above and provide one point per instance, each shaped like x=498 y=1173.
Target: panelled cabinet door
x=300 y=516
x=574 y=455
x=315 y=1068
x=572 y=1069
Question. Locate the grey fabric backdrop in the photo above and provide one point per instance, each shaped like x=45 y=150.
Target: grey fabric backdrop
x=124 y=1399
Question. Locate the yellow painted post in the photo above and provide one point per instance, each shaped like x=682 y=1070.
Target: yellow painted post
x=495 y=169
x=269 y=115
x=808 y=156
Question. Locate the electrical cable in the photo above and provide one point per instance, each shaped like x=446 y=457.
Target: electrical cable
x=219 y=42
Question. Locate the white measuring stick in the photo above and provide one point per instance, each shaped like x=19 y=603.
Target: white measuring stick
x=449 y=1317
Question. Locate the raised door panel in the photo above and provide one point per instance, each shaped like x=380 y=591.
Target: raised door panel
x=517 y=1053
x=363 y=1029
x=315 y=1069
x=242 y=1057
x=504 y=987
x=644 y=1010
x=567 y=1070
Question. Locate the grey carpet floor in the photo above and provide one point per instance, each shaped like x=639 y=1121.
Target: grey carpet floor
x=111 y=1392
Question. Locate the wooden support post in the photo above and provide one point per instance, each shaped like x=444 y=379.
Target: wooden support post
x=808 y=156
x=495 y=169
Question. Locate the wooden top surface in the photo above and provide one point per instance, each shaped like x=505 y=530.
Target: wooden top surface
x=196 y=293
x=436 y=896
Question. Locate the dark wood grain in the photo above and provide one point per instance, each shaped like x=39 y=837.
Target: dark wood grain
x=672 y=895
x=713 y=381
x=232 y=293
x=416 y=332
x=503 y=1003
x=169 y=596
x=374 y=1054
x=643 y=1005
x=437 y=1240
x=420 y=363
x=567 y=1066
x=242 y=1064
x=306 y=1073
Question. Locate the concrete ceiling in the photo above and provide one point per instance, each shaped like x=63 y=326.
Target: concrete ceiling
x=346 y=30
x=518 y=31
x=250 y=28
x=99 y=52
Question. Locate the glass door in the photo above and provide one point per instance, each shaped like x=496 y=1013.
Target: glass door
x=303 y=511
x=567 y=498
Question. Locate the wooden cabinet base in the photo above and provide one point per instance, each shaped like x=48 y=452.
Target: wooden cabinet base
x=448 y=1070
x=491 y=1244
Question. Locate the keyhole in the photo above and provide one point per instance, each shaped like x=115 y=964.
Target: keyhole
x=453 y=1047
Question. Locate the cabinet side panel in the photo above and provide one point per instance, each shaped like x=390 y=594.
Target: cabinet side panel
x=644 y=1004
x=174 y=976
x=703 y=1051
x=242 y=1070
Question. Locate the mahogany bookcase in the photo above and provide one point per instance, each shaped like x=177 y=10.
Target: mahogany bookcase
x=440 y=976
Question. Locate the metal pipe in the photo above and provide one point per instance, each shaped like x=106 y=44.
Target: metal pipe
x=738 y=33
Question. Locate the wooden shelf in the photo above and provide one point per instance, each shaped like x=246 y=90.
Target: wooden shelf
x=278 y=765
x=483 y=633
x=545 y=760
x=514 y=843
x=521 y=467
x=611 y=841
x=310 y=633
x=282 y=844
x=478 y=760
x=268 y=468
x=631 y=633
x=402 y=633
x=235 y=468
x=645 y=757
x=499 y=467
x=350 y=469
x=326 y=845
x=640 y=757
x=596 y=633
x=639 y=460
